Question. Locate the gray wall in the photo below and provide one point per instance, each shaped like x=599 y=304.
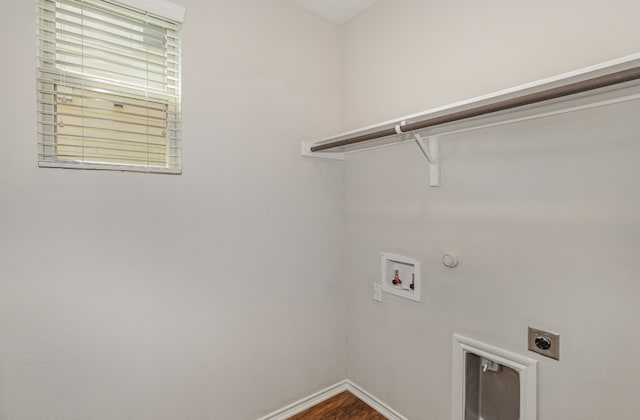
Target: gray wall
x=544 y=215
x=202 y=296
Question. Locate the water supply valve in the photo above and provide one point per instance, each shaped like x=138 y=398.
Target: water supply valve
x=396 y=279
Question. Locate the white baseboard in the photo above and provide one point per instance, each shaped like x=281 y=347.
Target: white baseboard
x=374 y=402
x=320 y=396
x=306 y=402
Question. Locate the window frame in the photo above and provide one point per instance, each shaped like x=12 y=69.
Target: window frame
x=52 y=76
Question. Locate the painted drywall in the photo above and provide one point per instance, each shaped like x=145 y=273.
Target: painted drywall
x=544 y=215
x=216 y=294
x=411 y=55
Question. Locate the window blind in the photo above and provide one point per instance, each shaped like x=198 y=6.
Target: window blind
x=108 y=87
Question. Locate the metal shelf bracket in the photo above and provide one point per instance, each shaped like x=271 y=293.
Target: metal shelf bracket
x=431 y=151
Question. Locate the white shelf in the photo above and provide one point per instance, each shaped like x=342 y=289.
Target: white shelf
x=626 y=91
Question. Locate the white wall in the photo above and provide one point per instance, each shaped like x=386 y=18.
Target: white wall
x=211 y=295
x=545 y=215
x=410 y=55
x=236 y=308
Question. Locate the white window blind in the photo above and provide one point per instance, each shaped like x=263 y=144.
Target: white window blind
x=108 y=87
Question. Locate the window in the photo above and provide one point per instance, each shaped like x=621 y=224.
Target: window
x=109 y=85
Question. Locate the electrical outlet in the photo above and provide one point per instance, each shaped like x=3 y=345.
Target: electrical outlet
x=545 y=343
x=377 y=292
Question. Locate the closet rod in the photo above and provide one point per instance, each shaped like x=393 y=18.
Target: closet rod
x=606 y=80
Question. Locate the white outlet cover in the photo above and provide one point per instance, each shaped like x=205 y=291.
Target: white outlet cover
x=377 y=292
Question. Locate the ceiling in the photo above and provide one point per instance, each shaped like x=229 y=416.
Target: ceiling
x=338 y=11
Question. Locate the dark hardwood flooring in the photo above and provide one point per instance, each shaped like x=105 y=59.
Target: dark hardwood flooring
x=344 y=406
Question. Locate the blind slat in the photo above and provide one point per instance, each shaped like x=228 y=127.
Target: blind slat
x=105 y=86
x=112 y=78
x=108 y=7
x=158 y=53
x=151 y=106
x=107 y=147
x=174 y=151
x=109 y=167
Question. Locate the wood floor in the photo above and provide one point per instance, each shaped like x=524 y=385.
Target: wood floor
x=344 y=406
